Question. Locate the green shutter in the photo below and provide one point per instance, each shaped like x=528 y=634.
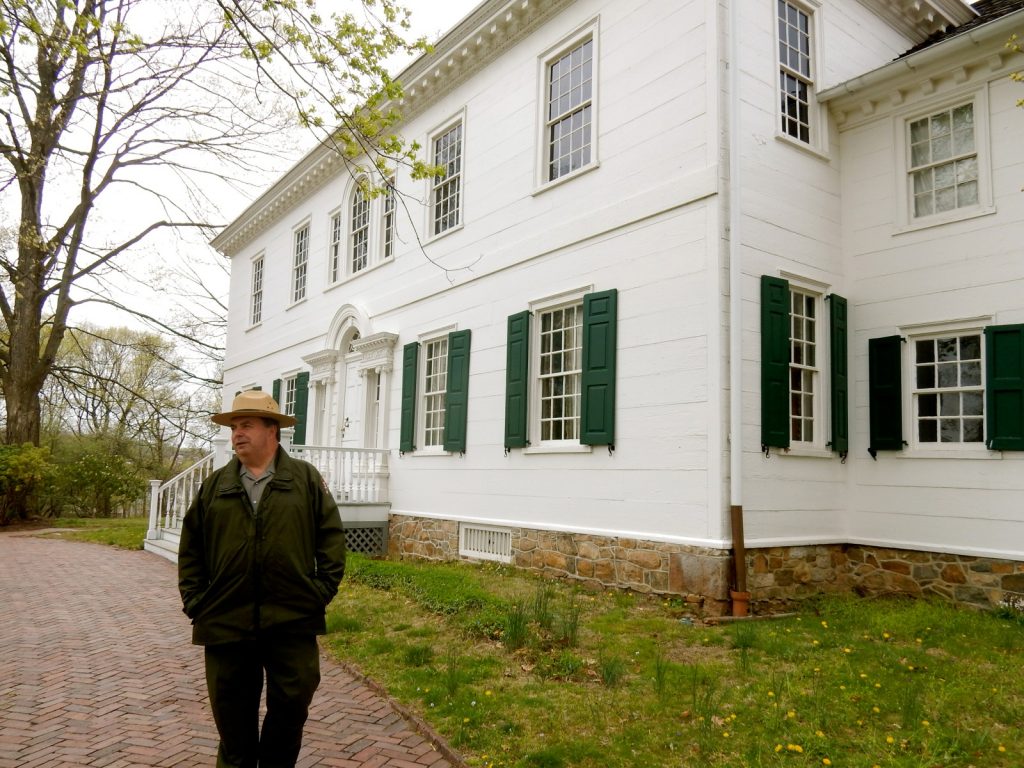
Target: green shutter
x=410 y=361
x=277 y=392
x=301 y=407
x=774 y=362
x=597 y=382
x=1004 y=387
x=885 y=396
x=840 y=379
x=517 y=376
x=456 y=403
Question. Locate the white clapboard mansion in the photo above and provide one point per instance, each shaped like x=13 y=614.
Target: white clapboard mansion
x=716 y=299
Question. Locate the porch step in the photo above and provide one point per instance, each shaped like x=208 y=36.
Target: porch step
x=166 y=546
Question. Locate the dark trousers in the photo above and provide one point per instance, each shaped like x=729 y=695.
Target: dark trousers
x=234 y=679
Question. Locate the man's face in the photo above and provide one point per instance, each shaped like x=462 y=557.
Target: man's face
x=253 y=439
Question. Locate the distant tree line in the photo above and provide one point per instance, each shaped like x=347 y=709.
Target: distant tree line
x=118 y=411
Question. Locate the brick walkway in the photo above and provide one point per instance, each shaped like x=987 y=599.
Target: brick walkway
x=97 y=670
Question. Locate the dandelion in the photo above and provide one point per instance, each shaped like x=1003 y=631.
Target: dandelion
x=847 y=650
x=815 y=642
x=890 y=740
x=465 y=719
x=770 y=694
x=778 y=747
x=795 y=748
x=1002 y=748
x=819 y=734
x=925 y=723
x=487 y=693
x=878 y=685
x=826 y=761
x=886 y=635
x=876 y=710
x=791 y=714
x=725 y=734
x=824 y=624
x=862 y=675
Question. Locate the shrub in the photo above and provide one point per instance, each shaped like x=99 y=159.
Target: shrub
x=24 y=469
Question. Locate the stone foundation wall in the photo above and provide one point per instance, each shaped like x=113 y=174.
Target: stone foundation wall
x=776 y=577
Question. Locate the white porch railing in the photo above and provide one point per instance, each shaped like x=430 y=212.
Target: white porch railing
x=354 y=475
x=169 y=501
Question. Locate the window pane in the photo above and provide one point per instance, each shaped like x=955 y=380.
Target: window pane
x=949 y=430
x=927 y=405
x=926 y=377
x=949 y=404
x=947 y=374
x=928 y=431
x=973 y=431
x=947 y=349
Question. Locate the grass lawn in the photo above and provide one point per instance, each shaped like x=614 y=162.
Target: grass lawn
x=516 y=671
x=121 y=532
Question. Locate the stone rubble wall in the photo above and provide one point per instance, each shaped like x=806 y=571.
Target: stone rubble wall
x=776 y=576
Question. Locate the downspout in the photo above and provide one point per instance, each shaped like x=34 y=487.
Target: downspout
x=735 y=324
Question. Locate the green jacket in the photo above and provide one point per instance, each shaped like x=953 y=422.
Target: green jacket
x=242 y=571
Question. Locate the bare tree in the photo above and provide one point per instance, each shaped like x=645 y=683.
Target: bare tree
x=120 y=117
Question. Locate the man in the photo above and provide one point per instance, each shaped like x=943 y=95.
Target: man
x=262 y=553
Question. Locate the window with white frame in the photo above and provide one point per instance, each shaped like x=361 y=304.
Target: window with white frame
x=359 y=234
x=336 y=227
x=569 y=114
x=446 y=194
x=256 y=293
x=388 y=219
x=288 y=395
x=435 y=387
x=559 y=368
x=943 y=163
x=300 y=263
x=803 y=365
x=796 y=76
x=948 y=389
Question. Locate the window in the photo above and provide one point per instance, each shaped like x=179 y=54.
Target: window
x=435 y=370
x=966 y=387
x=288 y=403
x=335 y=248
x=570 y=110
x=447 y=190
x=560 y=367
x=292 y=395
x=388 y=219
x=798 y=391
x=256 y=298
x=803 y=365
x=300 y=264
x=360 y=231
x=796 y=82
x=949 y=402
x=943 y=161
x=436 y=390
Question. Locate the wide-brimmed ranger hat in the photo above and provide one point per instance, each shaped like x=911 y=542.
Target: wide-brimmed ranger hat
x=254 y=403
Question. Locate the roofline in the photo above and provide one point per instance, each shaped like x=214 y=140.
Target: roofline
x=982 y=35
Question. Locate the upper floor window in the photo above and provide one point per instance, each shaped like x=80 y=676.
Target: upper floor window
x=570 y=110
x=335 y=247
x=446 y=196
x=944 y=161
x=289 y=395
x=796 y=78
x=256 y=295
x=300 y=263
x=360 y=231
x=388 y=219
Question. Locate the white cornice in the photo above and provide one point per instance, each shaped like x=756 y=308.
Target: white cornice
x=977 y=55
x=918 y=19
x=493 y=27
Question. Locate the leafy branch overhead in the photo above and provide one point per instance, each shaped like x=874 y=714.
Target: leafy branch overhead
x=124 y=120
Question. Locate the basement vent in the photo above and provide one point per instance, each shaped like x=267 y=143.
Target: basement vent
x=485 y=542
